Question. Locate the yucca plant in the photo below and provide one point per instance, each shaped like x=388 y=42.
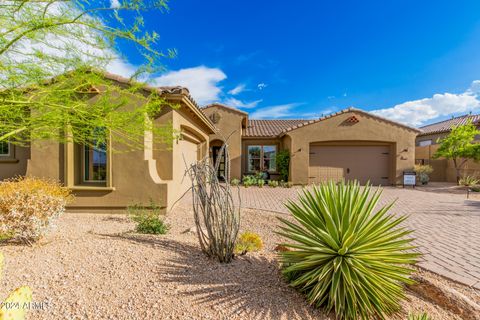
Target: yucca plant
x=344 y=254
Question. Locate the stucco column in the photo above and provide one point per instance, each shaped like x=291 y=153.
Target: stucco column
x=299 y=155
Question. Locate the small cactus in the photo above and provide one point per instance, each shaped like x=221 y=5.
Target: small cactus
x=15 y=306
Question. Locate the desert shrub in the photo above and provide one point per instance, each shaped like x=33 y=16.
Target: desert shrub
x=273 y=183
x=260 y=175
x=16 y=305
x=148 y=219
x=283 y=164
x=235 y=182
x=468 y=181
x=344 y=255
x=421 y=316
x=284 y=184
x=423 y=172
x=29 y=206
x=248 y=242
x=260 y=183
x=249 y=181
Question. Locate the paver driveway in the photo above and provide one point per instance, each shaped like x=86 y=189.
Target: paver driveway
x=447 y=226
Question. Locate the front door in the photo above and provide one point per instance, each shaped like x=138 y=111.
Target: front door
x=221 y=167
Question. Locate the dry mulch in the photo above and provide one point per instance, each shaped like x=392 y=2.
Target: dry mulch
x=92 y=266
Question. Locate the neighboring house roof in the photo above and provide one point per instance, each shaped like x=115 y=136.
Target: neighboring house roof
x=269 y=128
x=447 y=125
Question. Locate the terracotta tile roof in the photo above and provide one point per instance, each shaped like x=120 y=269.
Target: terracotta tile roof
x=274 y=128
x=269 y=128
x=345 y=111
x=446 y=125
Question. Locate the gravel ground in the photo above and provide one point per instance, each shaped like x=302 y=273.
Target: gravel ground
x=93 y=266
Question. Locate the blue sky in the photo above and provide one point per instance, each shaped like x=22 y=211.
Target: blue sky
x=411 y=61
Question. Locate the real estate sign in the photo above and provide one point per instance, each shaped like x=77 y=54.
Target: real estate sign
x=409 y=179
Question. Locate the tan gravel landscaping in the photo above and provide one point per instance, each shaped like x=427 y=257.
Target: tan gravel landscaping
x=95 y=267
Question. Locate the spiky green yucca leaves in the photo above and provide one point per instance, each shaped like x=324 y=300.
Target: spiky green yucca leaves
x=344 y=255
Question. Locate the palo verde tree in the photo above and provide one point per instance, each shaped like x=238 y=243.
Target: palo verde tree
x=52 y=57
x=460 y=146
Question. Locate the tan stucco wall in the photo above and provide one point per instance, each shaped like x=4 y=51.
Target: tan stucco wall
x=230 y=121
x=368 y=129
x=16 y=163
x=197 y=139
x=135 y=176
x=444 y=170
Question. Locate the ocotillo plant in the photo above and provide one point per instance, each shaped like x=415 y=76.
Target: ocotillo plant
x=217 y=218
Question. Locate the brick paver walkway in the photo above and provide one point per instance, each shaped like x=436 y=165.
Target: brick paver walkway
x=447 y=226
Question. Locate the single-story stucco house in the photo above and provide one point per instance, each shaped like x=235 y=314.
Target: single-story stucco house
x=108 y=181
x=427 y=144
x=350 y=144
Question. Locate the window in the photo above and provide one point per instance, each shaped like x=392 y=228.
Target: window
x=262 y=158
x=425 y=143
x=269 y=158
x=4 y=148
x=95 y=161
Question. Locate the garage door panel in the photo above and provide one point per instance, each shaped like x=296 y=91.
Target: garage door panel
x=363 y=163
x=324 y=174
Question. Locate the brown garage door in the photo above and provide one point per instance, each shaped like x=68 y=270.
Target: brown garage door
x=364 y=163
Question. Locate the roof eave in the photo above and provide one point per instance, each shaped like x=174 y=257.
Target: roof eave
x=187 y=100
x=286 y=131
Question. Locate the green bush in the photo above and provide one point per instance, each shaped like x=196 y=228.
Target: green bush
x=421 y=316
x=468 y=181
x=343 y=255
x=148 y=219
x=235 y=182
x=248 y=242
x=260 y=183
x=283 y=164
x=423 y=172
x=273 y=183
x=284 y=184
x=249 y=181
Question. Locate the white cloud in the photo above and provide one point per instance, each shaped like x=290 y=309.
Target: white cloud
x=274 y=112
x=261 y=86
x=201 y=81
x=233 y=102
x=238 y=89
x=121 y=67
x=114 y=4
x=474 y=88
x=75 y=44
x=418 y=112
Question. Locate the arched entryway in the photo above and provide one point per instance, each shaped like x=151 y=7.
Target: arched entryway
x=215 y=146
